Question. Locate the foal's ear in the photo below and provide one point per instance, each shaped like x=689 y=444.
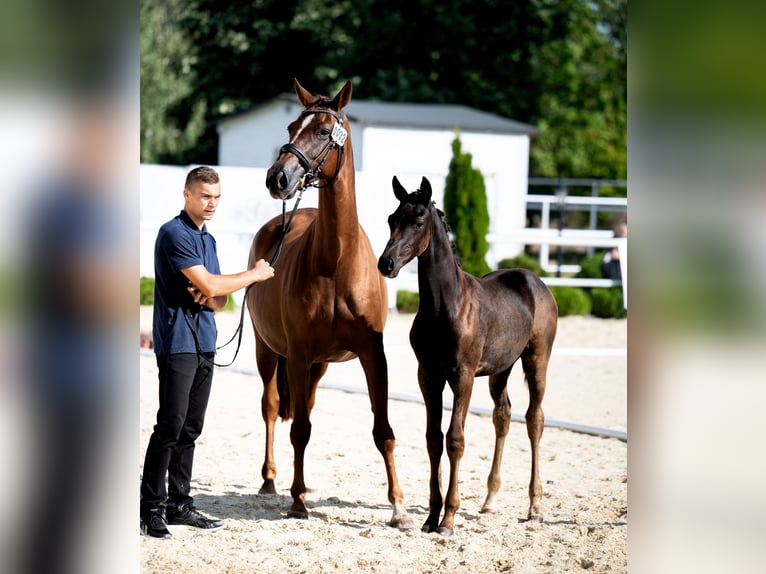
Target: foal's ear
x=343 y=97
x=399 y=191
x=425 y=190
x=304 y=96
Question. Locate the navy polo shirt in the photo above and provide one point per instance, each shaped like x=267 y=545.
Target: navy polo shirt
x=181 y=244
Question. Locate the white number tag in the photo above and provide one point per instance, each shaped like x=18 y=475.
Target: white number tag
x=339 y=135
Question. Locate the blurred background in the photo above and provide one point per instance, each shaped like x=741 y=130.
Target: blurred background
x=73 y=136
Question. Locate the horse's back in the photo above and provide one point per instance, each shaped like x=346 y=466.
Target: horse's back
x=520 y=292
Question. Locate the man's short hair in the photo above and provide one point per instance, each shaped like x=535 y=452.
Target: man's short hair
x=201 y=174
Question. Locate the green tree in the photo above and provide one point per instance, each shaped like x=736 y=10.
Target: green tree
x=558 y=65
x=465 y=209
x=172 y=114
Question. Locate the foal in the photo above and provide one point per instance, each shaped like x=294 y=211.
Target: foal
x=467 y=327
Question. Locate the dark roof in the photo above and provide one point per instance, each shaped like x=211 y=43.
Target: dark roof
x=426 y=116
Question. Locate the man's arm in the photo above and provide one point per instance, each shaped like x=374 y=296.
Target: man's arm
x=212 y=286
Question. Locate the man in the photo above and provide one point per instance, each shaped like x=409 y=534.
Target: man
x=188 y=288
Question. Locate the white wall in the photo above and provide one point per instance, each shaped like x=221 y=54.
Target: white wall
x=246 y=205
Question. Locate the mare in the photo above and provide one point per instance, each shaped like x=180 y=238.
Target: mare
x=326 y=302
x=467 y=327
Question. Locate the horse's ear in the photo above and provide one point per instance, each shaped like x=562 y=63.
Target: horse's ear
x=399 y=191
x=343 y=97
x=425 y=190
x=304 y=96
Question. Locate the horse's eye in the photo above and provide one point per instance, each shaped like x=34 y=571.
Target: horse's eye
x=323 y=133
x=418 y=225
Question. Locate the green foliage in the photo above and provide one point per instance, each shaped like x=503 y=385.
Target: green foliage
x=147 y=291
x=571 y=300
x=172 y=116
x=407 y=301
x=607 y=302
x=590 y=267
x=558 y=65
x=465 y=209
x=523 y=261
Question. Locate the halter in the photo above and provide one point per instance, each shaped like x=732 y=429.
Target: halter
x=337 y=137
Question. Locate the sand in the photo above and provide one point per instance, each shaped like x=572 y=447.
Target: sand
x=584 y=475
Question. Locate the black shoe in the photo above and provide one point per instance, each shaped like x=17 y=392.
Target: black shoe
x=190 y=516
x=153 y=525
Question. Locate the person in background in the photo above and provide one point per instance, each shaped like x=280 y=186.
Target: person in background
x=188 y=288
x=610 y=265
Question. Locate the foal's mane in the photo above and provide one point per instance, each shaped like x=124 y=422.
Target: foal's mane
x=447 y=230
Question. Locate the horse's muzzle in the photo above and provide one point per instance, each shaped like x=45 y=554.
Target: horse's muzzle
x=387 y=266
x=281 y=183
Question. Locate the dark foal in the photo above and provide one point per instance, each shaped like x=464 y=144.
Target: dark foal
x=467 y=327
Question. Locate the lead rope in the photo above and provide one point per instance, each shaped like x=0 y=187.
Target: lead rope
x=275 y=257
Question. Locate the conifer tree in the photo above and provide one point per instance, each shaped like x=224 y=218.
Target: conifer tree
x=465 y=209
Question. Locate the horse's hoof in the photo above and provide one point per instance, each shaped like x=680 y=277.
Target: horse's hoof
x=444 y=531
x=427 y=528
x=297 y=514
x=487 y=510
x=534 y=517
x=267 y=487
x=403 y=523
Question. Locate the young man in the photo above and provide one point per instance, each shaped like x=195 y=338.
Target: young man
x=188 y=288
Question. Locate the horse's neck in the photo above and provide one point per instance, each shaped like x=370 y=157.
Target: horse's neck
x=338 y=221
x=439 y=275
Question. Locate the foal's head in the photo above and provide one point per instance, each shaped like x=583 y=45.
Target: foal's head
x=410 y=228
x=316 y=144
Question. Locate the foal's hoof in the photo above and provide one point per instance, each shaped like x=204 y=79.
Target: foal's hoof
x=301 y=515
x=444 y=531
x=535 y=517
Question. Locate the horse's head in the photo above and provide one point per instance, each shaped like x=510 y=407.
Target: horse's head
x=410 y=228
x=314 y=135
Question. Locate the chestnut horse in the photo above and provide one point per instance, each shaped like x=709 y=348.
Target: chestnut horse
x=467 y=327
x=327 y=302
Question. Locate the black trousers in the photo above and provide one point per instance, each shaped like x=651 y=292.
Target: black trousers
x=185 y=382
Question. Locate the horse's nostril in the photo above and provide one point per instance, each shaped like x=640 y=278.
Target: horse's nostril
x=282 y=180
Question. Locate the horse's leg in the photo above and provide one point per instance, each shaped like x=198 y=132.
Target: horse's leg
x=303 y=380
x=535 y=367
x=373 y=361
x=432 y=390
x=501 y=419
x=266 y=361
x=455 y=443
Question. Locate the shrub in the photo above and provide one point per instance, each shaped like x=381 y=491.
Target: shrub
x=607 y=302
x=591 y=266
x=407 y=301
x=147 y=291
x=522 y=261
x=571 y=301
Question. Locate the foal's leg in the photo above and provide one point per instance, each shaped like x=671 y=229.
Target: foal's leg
x=432 y=390
x=461 y=390
x=535 y=367
x=375 y=367
x=266 y=361
x=501 y=418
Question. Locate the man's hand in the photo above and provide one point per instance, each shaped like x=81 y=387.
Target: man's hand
x=263 y=270
x=214 y=303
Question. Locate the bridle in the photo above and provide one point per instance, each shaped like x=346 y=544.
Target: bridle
x=337 y=138
x=314 y=167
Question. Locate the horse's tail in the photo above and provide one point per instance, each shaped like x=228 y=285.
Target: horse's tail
x=285 y=404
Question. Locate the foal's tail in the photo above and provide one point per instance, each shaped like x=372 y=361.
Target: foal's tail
x=285 y=405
